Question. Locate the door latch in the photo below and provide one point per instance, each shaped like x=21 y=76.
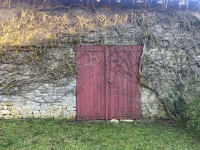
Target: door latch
x=109 y=81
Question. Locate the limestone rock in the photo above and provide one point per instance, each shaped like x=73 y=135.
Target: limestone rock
x=28 y=111
x=71 y=116
x=9 y=108
x=36 y=112
x=37 y=115
x=57 y=114
x=16 y=107
x=14 y=112
x=27 y=115
x=45 y=116
x=18 y=116
x=114 y=120
x=1 y=114
x=36 y=108
x=1 y=107
x=5 y=112
x=8 y=117
x=45 y=107
x=126 y=120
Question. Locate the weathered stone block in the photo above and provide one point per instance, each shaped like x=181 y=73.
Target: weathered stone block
x=151 y=107
x=37 y=115
x=32 y=103
x=57 y=114
x=56 y=106
x=45 y=106
x=14 y=112
x=17 y=99
x=72 y=109
x=71 y=116
x=27 y=111
x=114 y=120
x=66 y=113
x=27 y=115
x=8 y=117
x=54 y=97
x=36 y=108
x=38 y=99
x=126 y=120
x=5 y=112
x=1 y=107
x=36 y=112
x=18 y=116
x=47 y=115
x=42 y=112
x=16 y=107
x=9 y=108
x=4 y=98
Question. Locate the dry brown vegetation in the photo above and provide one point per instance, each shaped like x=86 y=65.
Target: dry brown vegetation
x=31 y=27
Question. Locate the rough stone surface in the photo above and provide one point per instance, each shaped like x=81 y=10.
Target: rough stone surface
x=127 y=120
x=27 y=115
x=8 y=117
x=5 y=112
x=48 y=101
x=1 y=114
x=1 y=107
x=18 y=116
x=14 y=112
x=151 y=107
x=55 y=97
x=114 y=120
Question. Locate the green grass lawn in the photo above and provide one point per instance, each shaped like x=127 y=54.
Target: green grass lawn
x=49 y=134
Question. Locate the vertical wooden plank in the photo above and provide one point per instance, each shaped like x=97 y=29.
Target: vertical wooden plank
x=111 y=81
x=106 y=83
x=88 y=82
x=78 y=83
x=95 y=81
x=81 y=74
x=130 y=80
x=116 y=93
x=91 y=66
x=101 y=90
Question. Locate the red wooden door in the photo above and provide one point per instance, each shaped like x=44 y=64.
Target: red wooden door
x=107 y=82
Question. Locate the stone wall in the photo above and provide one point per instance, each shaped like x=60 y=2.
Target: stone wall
x=36 y=96
x=42 y=97
x=31 y=89
x=58 y=102
x=40 y=81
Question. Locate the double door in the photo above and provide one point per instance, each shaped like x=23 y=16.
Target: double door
x=108 y=82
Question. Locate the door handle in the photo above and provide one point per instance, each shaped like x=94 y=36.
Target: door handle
x=109 y=81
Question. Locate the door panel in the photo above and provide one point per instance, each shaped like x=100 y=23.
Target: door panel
x=90 y=83
x=124 y=94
